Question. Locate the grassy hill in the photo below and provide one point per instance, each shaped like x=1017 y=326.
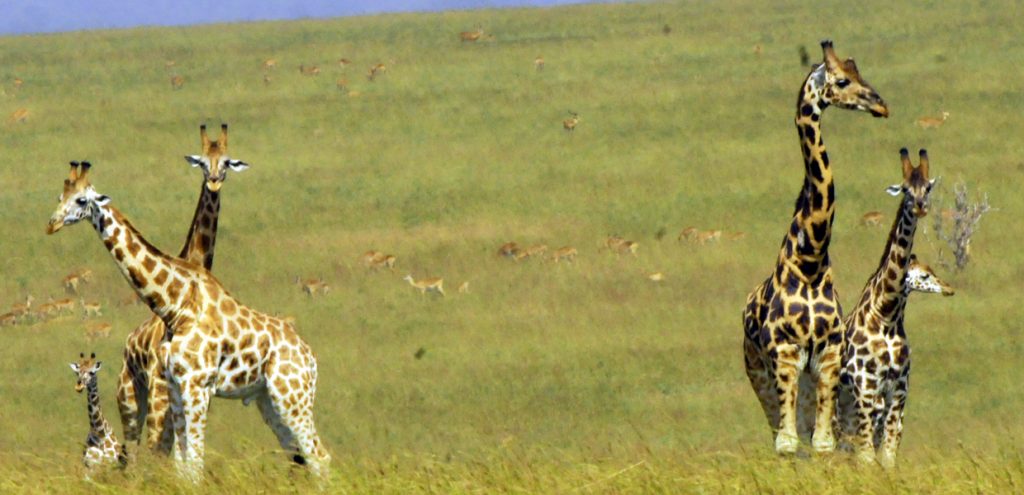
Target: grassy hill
x=543 y=378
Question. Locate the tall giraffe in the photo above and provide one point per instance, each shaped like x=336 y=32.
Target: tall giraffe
x=218 y=346
x=142 y=394
x=101 y=446
x=876 y=357
x=792 y=320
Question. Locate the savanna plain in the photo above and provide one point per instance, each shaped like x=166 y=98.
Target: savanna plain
x=582 y=377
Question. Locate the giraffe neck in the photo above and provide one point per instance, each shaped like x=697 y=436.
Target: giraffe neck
x=806 y=244
x=202 y=234
x=97 y=424
x=889 y=281
x=161 y=281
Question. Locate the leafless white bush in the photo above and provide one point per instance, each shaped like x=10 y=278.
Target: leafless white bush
x=957 y=225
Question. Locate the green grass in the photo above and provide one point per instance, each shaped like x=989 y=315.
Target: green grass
x=543 y=378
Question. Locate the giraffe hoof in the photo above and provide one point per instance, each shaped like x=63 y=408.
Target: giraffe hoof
x=298 y=459
x=786 y=444
x=826 y=444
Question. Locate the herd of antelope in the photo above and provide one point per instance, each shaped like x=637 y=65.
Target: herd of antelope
x=25 y=313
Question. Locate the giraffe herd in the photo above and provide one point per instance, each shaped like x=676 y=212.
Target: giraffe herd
x=839 y=381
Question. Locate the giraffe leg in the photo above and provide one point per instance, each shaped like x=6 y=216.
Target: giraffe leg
x=826 y=368
x=807 y=405
x=127 y=404
x=893 y=422
x=271 y=417
x=159 y=423
x=298 y=418
x=846 y=413
x=789 y=360
x=866 y=393
x=195 y=399
x=762 y=383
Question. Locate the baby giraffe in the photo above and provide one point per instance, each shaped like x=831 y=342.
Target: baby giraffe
x=101 y=446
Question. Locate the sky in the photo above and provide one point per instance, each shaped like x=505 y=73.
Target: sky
x=48 y=16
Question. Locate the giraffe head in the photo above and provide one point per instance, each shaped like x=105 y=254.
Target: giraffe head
x=920 y=277
x=916 y=186
x=839 y=83
x=77 y=201
x=214 y=160
x=86 y=369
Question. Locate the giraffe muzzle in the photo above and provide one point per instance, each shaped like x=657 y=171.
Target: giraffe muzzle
x=214 y=184
x=54 y=226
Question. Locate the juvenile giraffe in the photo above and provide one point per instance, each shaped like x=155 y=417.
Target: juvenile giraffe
x=876 y=355
x=792 y=320
x=217 y=345
x=101 y=446
x=142 y=394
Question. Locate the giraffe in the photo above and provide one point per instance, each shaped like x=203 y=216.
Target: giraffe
x=215 y=344
x=876 y=355
x=142 y=394
x=101 y=446
x=792 y=320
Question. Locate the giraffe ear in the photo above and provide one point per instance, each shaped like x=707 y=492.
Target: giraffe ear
x=894 y=189
x=74 y=367
x=194 y=160
x=103 y=200
x=98 y=364
x=237 y=165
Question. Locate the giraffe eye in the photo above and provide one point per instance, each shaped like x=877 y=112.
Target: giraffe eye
x=842 y=83
x=82 y=201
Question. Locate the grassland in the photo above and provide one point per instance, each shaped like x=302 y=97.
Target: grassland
x=543 y=379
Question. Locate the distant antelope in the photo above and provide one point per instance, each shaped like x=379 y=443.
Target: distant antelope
x=129 y=300
x=570 y=123
x=21 y=309
x=18 y=83
x=375 y=71
x=269 y=64
x=368 y=258
x=508 y=250
x=344 y=61
x=91 y=308
x=342 y=84
x=531 y=251
x=618 y=245
x=872 y=219
x=687 y=234
x=758 y=50
x=471 y=35
x=666 y=30
x=169 y=64
x=309 y=71
x=8 y=319
x=45 y=311
x=266 y=79
x=313 y=286
x=567 y=253
x=177 y=82
x=71 y=282
x=97 y=330
x=464 y=287
x=65 y=305
x=427 y=284
x=656 y=277
x=932 y=122
x=708 y=236
x=19 y=116
x=538 y=63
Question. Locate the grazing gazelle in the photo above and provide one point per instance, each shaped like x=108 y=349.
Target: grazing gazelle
x=464 y=287
x=97 y=330
x=932 y=122
x=375 y=71
x=472 y=35
x=20 y=116
x=313 y=286
x=656 y=277
x=427 y=284
x=531 y=251
x=509 y=249
x=708 y=236
x=66 y=305
x=618 y=245
x=91 y=308
x=538 y=63
x=567 y=253
x=570 y=123
x=20 y=310
x=872 y=219
x=688 y=234
x=309 y=71
x=177 y=82
x=269 y=64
